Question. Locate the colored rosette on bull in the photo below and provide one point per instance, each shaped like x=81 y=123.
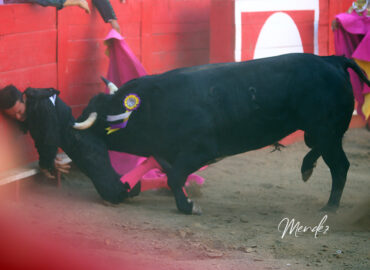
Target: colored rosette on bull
x=131 y=102
x=118 y=121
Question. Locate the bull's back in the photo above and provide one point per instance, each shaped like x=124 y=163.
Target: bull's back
x=242 y=106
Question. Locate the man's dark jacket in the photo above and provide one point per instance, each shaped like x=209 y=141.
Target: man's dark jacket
x=50 y=125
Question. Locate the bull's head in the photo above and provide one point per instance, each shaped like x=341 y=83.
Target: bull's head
x=92 y=117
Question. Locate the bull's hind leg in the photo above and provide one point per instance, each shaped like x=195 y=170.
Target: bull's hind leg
x=334 y=156
x=309 y=161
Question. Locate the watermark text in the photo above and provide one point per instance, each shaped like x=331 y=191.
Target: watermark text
x=292 y=227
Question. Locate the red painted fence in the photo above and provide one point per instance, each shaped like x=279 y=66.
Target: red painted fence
x=237 y=26
x=42 y=47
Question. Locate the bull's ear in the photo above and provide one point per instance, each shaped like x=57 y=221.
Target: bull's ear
x=87 y=123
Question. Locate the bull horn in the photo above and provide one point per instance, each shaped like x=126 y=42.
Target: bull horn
x=87 y=123
x=112 y=87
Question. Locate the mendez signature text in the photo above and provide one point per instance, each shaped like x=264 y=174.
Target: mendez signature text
x=291 y=227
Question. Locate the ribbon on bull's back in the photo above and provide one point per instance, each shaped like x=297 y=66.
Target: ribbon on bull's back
x=123 y=67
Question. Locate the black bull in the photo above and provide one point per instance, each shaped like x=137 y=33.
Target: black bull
x=194 y=116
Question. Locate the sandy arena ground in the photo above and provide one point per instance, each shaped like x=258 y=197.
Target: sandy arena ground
x=244 y=199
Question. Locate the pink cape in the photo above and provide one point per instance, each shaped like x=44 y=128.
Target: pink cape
x=352 y=39
x=123 y=67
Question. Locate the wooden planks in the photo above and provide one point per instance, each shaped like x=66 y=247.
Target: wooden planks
x=23 y=18
x=25 y=172
x=18 y=174
x=178 y=33
x=27 y=58
x=28 y=45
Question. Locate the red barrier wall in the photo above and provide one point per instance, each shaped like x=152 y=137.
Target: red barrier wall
x=81 y=51
x=179 y=34
x=225 y=30
x=336 y=7
x=42 y=47
x=163 y=34
x=243 y=30
x=253 y=16
x=28 y=44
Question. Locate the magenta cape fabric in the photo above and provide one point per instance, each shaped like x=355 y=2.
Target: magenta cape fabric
x=124 y=66
x=352 y=39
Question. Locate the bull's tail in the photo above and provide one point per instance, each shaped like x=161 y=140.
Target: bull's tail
x=350 y=63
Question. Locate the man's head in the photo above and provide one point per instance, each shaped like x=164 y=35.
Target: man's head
x=11 y=103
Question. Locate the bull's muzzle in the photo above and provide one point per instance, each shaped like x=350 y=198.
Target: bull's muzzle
x=87 y=123
x=112 y=87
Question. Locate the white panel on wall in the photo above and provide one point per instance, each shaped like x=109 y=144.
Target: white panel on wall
x=242 y=6
x=279 y=35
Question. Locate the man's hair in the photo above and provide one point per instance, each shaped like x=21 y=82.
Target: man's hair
x=9 y=95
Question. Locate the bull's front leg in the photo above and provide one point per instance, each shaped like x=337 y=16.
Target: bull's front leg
x=183 y=203
x=194 y=156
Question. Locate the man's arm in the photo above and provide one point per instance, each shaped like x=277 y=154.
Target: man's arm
x=59 y=4
x=42 y=122
x=107 y=13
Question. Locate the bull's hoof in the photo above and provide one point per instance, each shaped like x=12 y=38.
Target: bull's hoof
x=329 y=209
x=196 y=210
x=185 y=206
x=135 y=191
x=190 y=208
x=307 y=172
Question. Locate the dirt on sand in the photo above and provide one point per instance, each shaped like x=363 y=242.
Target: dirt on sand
x=244 y=199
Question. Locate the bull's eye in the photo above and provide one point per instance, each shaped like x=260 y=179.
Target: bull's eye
x=131 y=102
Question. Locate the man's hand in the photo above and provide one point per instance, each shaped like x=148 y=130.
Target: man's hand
x=334 y=25
x=60 y=166
x=115 y=25
x=47 y=173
